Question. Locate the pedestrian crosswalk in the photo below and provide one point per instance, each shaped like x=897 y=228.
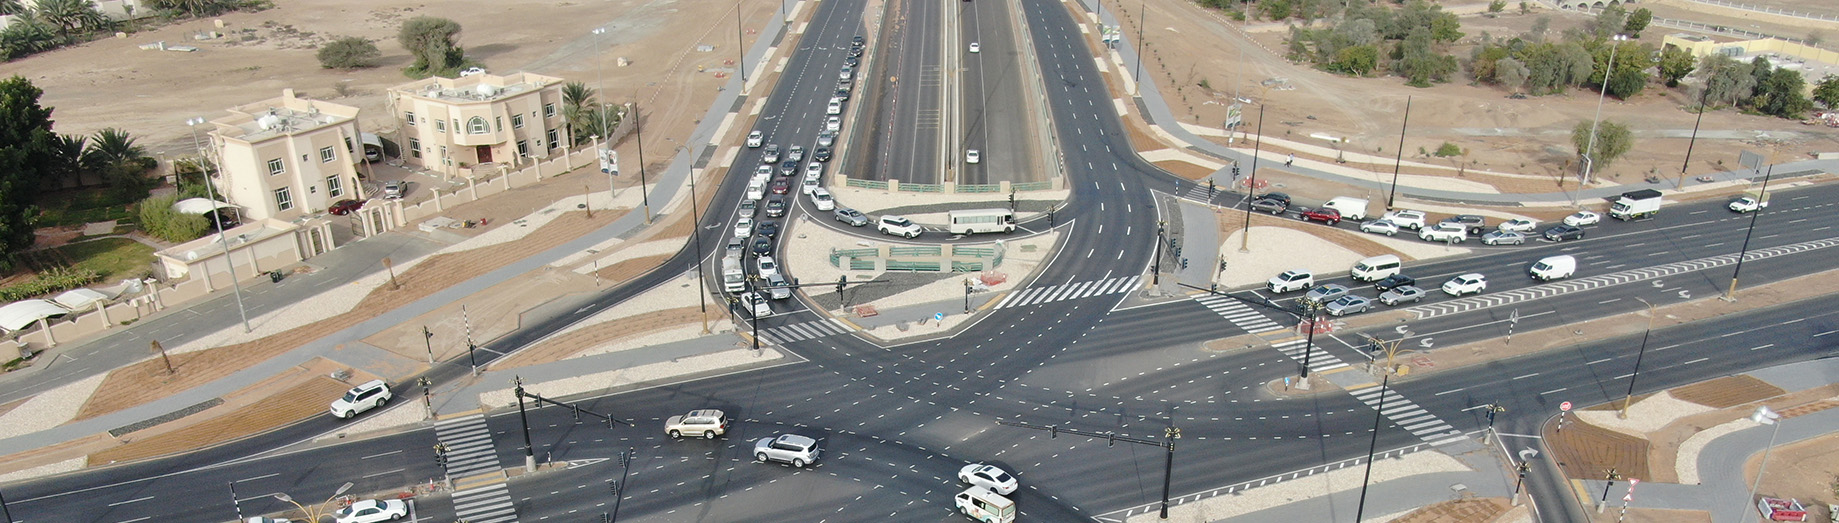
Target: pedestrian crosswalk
x=1068 y=291
x=1408 y=415
x=469 y=446
x=487 y=504
x=804 y=331
x=1238 y=313
x=1318 y=360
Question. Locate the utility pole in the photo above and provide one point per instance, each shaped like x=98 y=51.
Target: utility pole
x=1761 y=196
x=638 y=125
x=217 y=219
x=1251 y=187
x=1142 y=12
x=1399 y=161
x=1638 y=356
x=1373 y=444
x=1681 y=186
x=740 y=45
x=529 y=450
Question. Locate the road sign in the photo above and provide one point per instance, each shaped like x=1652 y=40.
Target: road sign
x=609 y=161
x=938 y=316
x=1566 y=406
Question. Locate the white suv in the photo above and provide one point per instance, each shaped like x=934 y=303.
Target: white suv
x=754 y=139
x=1292 y=280
x=898 y=226
x=707 y=423
x=1405 y=218
x=789 y=448
x=369 y=395
x=1471 y=283
x=1444 y=232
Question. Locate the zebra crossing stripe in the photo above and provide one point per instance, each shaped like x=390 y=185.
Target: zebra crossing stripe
x=489 y=504
x=1066 y=291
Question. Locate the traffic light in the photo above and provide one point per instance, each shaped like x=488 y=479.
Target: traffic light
x=1011 y=199
x=440 y=455
x=1184 y=263
x=1235 y=172
x=1209 y=188
x=840 y=282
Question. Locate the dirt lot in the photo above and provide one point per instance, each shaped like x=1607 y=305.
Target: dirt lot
x=1187 y=45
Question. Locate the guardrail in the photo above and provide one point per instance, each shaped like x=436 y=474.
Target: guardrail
x=866 y=184
x=922 y=187
x=1033 y=186
x=986 y=187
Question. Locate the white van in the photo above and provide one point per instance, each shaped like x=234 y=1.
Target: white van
x=982 y=505
x=1376 y=268
x=756 y=190
x=1553 y=267
x=1351 y=208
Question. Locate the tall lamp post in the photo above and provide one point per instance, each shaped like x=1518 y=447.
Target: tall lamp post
x=1399 y=161
x=1765 y=416
x=1251 y=186
x=1630 y=396
x=1761 y=196
x=311 y=514
x=1590 y=150
x=235 y=284
x=1703 y=95
x=638 y=127
x=1373 y=444
x=4 y=511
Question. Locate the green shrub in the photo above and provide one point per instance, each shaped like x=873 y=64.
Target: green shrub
x=159 y=220
x=350 y=52
x=47 y=282
x=1448 y=149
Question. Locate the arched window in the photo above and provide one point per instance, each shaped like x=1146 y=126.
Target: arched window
x=477 y=126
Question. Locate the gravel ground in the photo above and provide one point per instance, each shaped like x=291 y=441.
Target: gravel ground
x=1686 y=465
x=45 y=470
x=650 y=248
x=615 y=378
x=517 y=229
x=50 y=408
x=679 y=333
x=1347 y=478
x=1647 y=415
x=1307 y=252
x=675 y=293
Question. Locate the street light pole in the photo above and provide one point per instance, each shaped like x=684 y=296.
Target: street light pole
x=529 y=450
x=228 y=259
x=1251 y=186
x=702 y=295
x=1590 y=150
x=1373 y=444
x=1169 y=435
x=1155 y=272
x=740 y=45
x=1309 y=347
x=1400 y=160
x=1638 y=355
x=9 y=514
x=1610 y=481
x=1137 y=77
x=1766 y=416
x=1761 y=196
x=638 y=125
x=1703 y=95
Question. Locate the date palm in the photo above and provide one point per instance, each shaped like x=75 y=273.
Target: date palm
x=111 y=147
x=577 y=107
x=72 y=15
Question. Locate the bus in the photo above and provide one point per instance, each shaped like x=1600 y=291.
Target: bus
x=981 y=220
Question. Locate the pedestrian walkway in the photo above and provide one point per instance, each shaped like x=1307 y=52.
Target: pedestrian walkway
x=1408 y=415
x=804 y=331
x=1318 y=360
x=469 y=446
x=1068 y=291
x=488 y=504
x=1238 y=313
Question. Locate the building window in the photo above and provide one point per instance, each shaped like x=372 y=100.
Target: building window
x=409 y=116
x=348 y=146
x=333 y=187
x=440 y=126
x=415 y=147
x=523 y=148
x=552 y=138
x=284 y=200
x=517 y=121
x=549 y=111
x=276 y=167
x=497 y=123
x=477 y=126
x=326 y=155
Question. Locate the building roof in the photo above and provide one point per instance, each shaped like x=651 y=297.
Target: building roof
x=476 y=88
x=77 y=299
x=282 y=116
x=24 y=313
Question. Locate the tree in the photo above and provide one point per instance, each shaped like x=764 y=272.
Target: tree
x=26 y=143
x=1511 y=74
x=197 y=8
x=1676 y=63
x=1539 y=27
x=1418 y=63
x=72 y=16
x=1610 y=20
x=1780 y=95
x=433 y=43
x=28 y=35
x=1497 y=6
x=1625 y=83
x=1727 y=81
x=577 y=102
x=1612 y=141
x=159 y=220
x=1827 y=92
x=66 y=167
x=1637 y=21
x=12 y=7
x=112 y=147
x=1448 y=149
x=1358 y=60
x=350 y=52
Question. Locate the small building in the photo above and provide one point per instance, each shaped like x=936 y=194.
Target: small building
x=255 y=247
x=288 y=157
x=460 y=126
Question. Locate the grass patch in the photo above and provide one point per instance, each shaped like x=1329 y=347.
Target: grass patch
x=113 y=258
x=80 y=207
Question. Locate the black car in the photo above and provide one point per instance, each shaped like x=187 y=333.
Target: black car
x=769 y=228
x=855 y=52
x=1474 y=224
x=1563 y=232
x=787 y=168
x=842 y=92
x=857 y=41
x=852 y=61
x=1270 y=206
x=1394 y=281
x=1285 y=198
x=822 y=154
x=762 y=246
x=775 y=207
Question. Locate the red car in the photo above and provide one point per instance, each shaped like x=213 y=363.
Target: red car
x=781 y=187
x=1323 y=214
x=344 y=207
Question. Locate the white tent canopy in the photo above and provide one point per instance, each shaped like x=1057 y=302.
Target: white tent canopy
x=22 y=314
x=79 y=299
x=199 y=205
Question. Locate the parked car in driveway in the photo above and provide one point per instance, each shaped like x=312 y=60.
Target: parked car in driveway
x=1582 y=218
x=1349 y=304
x=788 y=448
x=1503 y=237
x=395 y=189
x=1564 y=232
x=344 y=207
x=1325 y=293
x=1323 y=214
x=1269 y=205
x=1379 y=227
x=706 y=423
x=1401 y=294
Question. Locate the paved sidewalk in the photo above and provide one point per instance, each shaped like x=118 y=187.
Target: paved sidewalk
x=1149 y=101
x=1396 y=497
x=1200 y=244
x=465 y=396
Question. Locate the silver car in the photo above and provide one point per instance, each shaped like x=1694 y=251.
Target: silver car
x=850 y=216
x=1503 y=237
x=1325 y=293
x=1402 y=294
x=1349 y=304
x=788 y=448
x=1379 y=227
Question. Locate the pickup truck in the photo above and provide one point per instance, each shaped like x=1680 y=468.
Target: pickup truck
x=1751 y=201
x=1444 y=232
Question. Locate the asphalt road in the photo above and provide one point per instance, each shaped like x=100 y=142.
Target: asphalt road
x=907 y=98
x=996 y=117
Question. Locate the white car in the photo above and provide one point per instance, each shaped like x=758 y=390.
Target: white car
x=758 y=304
x=1405 y=218
x=1583 y=218
x=1444 y=232
x=764 y=171
x=1379 y=227
x=472 y=71
x=743 y=227
x=372 y=510
x=988 y=476
x=834 y=108
x=365 y=396
x=1471 y=283
x=973 y=156
x=1292 y=280
x=846 y=73
x=821 y=198
x=767 y=265
x=814 y=170
x=833 y=124
x=898 y=226
x=790 y=448
x=810 y=184
x=707 y=423
x=1519 y=225
x=755 y=139
x=976 y=48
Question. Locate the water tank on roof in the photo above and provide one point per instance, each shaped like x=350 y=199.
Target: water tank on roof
x=268 y=121
x=486 y=90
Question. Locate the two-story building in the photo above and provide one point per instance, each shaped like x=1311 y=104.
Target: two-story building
x=288 y=157
x=459 y=126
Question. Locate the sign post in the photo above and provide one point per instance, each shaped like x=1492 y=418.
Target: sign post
x=1563 y=408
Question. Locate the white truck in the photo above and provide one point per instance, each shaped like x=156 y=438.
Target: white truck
x=734 y=277
x=1634 y=205
x=1351 y=208
x=1449 y=232
x=1751 y=201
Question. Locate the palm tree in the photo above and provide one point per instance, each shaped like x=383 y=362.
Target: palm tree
x=67 y=160
x=28 y=34
x=577 y=106
x=12 y=7
x=72 y=15
x=111 y=147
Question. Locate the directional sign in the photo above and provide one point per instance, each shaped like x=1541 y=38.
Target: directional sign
x=1566 y=406
x=938 y=316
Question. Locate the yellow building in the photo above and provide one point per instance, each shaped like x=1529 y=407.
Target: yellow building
x=288 y=157
x=474 y=123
